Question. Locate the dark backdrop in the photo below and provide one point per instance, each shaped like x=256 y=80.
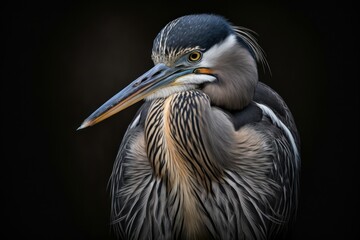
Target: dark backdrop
x=61 y=60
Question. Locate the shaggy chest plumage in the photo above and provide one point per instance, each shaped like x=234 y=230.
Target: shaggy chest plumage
x=186 y=189
x=167 y=185
x=175 y=146
x=178 y=156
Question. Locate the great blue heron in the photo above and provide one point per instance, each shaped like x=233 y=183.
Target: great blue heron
x=212 y=153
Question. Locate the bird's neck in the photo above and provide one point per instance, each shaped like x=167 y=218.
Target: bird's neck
x=174 y=139
x=237 y=79
x=176 y=153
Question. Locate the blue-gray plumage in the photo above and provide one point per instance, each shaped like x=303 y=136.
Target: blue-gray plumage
x=212 y=153
x=187 y=34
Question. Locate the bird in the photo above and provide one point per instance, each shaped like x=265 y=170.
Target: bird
x=213 y=152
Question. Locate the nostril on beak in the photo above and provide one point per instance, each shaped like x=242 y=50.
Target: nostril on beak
x=156 y=74
x=140 y=81
x=146 y=78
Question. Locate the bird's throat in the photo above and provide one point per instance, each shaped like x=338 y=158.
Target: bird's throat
x=173 y=134
x=175 y=153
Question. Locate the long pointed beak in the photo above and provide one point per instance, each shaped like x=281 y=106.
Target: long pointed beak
x=157 y=77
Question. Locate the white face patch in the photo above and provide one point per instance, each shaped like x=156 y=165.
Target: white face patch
x=186 y=82
x=194 y=79
x=210 y=56
x=167 y=91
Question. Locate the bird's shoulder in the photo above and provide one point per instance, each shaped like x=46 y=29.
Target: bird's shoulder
x=249 y=114
x=269 y=97
x=273 y=105
x=264 y=98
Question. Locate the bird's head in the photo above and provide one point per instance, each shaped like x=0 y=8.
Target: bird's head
x=194 y=52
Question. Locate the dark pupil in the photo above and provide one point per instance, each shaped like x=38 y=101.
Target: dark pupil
x=194 y=56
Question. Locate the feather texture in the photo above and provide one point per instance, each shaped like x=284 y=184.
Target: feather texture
x=167 y=185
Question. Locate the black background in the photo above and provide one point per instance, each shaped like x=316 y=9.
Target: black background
x=61 y=60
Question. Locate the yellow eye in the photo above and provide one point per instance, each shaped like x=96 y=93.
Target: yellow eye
x=194 y=56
